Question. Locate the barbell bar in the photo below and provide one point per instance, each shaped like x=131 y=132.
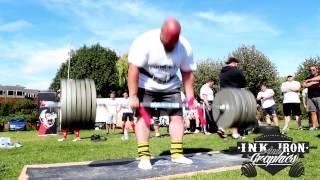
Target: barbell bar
x=230 y=108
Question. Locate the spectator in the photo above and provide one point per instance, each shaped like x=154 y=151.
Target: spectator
x=268 y=104
x=207 y=97
x=312 y=83
x=291 y=101
x=192 y=122
x=112 y=109
x=76 y=133
x=305 y=102
x=127 y=116
x=232 y=77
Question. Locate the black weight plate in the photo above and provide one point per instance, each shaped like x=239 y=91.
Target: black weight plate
x=227 y=117
x=93 y=103
x=83 y=112
x=73 y=123
x=63 y=103
x=89 y=103
x=69 y=104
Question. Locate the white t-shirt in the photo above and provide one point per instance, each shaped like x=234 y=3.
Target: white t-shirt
x=266 y=102
x=206 y=90
x=125 y=106
x=289 y=89
x=147 y=52
x=112 y=105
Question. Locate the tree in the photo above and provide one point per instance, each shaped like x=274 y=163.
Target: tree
x=303 y=69
x=206 y=69
x=122 y=69
x=257 y=68
x=95 y=62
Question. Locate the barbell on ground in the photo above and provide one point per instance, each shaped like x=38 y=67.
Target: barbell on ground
x=230 y=108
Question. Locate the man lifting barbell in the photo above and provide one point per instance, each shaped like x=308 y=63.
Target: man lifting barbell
x=154 y=59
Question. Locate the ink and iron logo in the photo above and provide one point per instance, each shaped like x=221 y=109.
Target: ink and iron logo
x=273 y=152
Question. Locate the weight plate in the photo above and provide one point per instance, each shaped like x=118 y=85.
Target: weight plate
x=63 y=103
x=79 y=101
x=83 y=111
x=73 y=104
x=69 y=104
x=88 y=100
x=240 y=120
x=93 y=104
x=252 y=107
x=227 y=117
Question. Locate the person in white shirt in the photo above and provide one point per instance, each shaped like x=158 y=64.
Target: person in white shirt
x=127 y=116
x=207 y=97
x=112 y=109
x=268 y=104
x=154 y=60
x=291 y=101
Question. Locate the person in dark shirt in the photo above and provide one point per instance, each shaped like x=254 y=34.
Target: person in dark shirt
x=313 y=84
x=232 y=77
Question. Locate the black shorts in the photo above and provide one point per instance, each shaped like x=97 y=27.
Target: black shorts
x=291 y=108
x=126 y=116
x=173 y=96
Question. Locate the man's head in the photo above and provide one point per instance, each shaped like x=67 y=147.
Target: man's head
x=263 y=87
x=290 y=77
x=125 y=95
x=170 y=32
x=232 y=61
x=113 y=94
x=314 y=70
x=210 y=82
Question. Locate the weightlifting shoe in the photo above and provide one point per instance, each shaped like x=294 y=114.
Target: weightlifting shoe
x=182 y=160
x=145 y=164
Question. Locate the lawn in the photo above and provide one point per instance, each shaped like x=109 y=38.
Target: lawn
x=42 y=150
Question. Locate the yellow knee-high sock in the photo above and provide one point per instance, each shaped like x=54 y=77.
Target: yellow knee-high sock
x=176 y=149
x=143 y=151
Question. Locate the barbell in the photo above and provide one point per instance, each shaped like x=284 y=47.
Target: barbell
x=231 y=107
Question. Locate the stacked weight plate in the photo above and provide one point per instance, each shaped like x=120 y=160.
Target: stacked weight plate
x=240 y=108
x=78 y=104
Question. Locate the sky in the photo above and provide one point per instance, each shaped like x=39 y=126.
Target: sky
x=36 y=35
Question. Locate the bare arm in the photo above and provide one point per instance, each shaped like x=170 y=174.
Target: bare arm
x=304 y=100
x=308 y=83
x=187 y=78
x=133 y=79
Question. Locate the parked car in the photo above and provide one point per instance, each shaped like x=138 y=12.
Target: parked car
x=100 y=125
x=17 y=124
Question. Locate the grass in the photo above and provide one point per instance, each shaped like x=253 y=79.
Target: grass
x=45 y=150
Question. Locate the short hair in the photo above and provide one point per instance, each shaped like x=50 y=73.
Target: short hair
x=231 y=60
x=314 y=65
x=210 y=80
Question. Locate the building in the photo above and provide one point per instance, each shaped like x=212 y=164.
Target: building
x=13 y=93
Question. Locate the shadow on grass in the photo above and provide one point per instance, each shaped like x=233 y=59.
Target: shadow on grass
x=318 y=136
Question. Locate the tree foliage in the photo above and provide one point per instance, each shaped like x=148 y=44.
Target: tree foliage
x=257 y=68
x=206 y=69
x=303 y=69
x=24 y=108
x=95 y=62
x=122 y=70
